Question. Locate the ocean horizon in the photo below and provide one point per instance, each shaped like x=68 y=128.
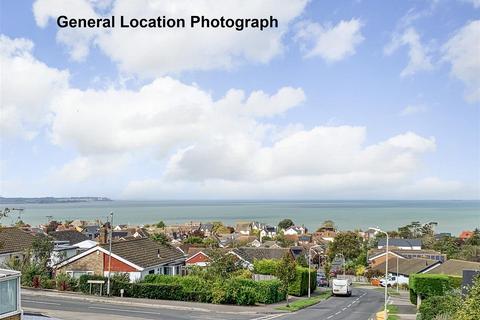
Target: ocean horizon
x=452 y=216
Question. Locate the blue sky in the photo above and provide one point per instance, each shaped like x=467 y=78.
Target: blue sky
x=346 y=100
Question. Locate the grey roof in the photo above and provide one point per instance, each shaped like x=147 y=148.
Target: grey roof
x=455 y=267
x=72 y=236
x=251 y=254
x=407 y=266
x=145 y=252
x=91 y=229
x=400 y=242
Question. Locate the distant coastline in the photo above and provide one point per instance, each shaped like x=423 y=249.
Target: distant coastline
x=4 y=200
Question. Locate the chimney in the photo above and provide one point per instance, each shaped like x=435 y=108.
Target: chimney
x=103 y=238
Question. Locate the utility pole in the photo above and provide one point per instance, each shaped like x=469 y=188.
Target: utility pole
x=110 y=253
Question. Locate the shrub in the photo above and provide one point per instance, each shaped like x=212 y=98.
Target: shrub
x=265 y=266
x=428 y=285
x=64 y=282
x=439 y=305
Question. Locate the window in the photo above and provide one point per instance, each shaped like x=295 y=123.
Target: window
x=8 y=296
x=151 y=271
x=78 y=274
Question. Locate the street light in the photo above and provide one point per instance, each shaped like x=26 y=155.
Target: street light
x=343 y=262
x=110 y=253
x=309 y=266
x=386 y=270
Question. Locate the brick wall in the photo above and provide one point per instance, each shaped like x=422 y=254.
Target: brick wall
x=14 y=317
x=92 y=262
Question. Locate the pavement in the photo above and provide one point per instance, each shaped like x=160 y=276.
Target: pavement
x=360 y=306
x=406 y=310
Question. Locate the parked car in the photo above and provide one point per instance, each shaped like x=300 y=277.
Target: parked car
x=392 y=281
x=322 y=280
x=342 y=287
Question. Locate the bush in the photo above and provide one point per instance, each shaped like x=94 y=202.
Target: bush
x=64 y=282
x=429 y=285
x=265 y=266
x=439 y=305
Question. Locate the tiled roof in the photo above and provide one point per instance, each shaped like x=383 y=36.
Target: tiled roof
x=72 y=236
x=14 y=240
x=406 y=266
x=145 y=252
x=455 y=267
x=250 y=254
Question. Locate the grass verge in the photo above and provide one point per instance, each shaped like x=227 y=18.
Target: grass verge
x=304 y=303
x=392 y=312
x=391 y=292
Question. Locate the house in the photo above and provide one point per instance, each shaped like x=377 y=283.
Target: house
x=206 y=229
x=406 y=267
x=271 y=244
x=401 y=244
x=13 y=243
x=454 y=267
x=257 y=225
x=325 y=235
x=120 y=227
x=137 y=258
x=465 y=235
x=92 y=232
x=440 y=236
x=248 y=255
x=294 y=230
x=255 y=243
x=62 y=250
x=71 y=236
x=268 y=231
x=198 y=257
x=85 y=245
x=10 y=297
x=243 y=228
x=304 y=239
x=376 y=256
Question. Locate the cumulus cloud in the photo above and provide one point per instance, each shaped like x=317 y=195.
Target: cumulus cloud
x=419 y=55
x=332 y=43
x=156 y=52
x=462 y=51
x=28 y=87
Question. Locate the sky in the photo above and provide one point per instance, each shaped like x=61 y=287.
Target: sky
x=344 y=100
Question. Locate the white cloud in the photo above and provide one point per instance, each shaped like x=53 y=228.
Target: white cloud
x=332 y=43
x=462 y=51
x=418 y=54
x=155 y=52
x=28 y=86
x=414 y=109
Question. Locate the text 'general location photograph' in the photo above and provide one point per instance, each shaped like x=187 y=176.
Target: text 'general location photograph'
x=240 y=160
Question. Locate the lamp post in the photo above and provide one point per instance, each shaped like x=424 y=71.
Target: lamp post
x=386 y=270
x=110 y=253
x=309 y=266
x=397 y=273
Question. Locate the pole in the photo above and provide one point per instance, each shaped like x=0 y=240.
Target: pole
x=309 y=264
x=397 y=273
x=110 y=254
x=343 y=256
x=386 y=280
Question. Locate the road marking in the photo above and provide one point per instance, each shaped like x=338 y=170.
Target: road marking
x=124 y=310
x=329 y=317
x=41 y=302
x=269 y=317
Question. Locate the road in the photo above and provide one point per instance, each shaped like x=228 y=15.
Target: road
x=360 y=306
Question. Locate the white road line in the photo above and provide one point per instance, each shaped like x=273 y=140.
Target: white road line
x=329 y=317
x=337 y=313
x=41 y=302
x=124 y=310
x=269 y=317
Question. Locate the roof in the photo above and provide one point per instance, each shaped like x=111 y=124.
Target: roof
x=243 y=226
x=251 y=254
x=91 y=229
x=72 y=236
x=7 y=273
x=407 y=266
x=454 y=267
x=14 y=240
x=374 y=253
x=144 y=252
x=466 y=234
x=400 y=242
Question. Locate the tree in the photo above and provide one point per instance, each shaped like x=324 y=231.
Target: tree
x=448 y=246
x=285 y=224
x=302 y=261
x=193 y=240
x=283 y=241
x=222 y=265
x=474 y=240
x=470 y=309
x=161 y=238
x=286 y=272
x=327 y=225
x=347 y=243
x=160 y=225
x=42 y=247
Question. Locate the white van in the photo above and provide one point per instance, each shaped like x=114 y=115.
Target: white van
x=342 y=287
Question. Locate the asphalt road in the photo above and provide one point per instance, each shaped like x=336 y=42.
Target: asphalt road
x=360 y=306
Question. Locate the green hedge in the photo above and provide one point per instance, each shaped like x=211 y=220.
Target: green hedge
x=300 y=285
x=429 y=285
x=191 y=288
x=439 y=305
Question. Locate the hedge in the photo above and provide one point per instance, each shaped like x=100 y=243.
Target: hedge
x=429 y=285
x=300 y=285
x=439 y=305
x=191 y=288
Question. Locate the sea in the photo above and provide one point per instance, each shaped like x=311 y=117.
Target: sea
x=451 y=216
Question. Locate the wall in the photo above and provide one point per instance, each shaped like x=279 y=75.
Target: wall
x=92 y=262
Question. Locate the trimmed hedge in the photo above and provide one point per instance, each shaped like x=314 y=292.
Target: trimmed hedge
x=439 y=305
x=300 y=285
x=191 y=288
x=429 y=285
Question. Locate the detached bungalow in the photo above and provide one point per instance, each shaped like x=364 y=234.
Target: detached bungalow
x=137 y=257
x=406 y=267
x=13 y=243
x=454 y=267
